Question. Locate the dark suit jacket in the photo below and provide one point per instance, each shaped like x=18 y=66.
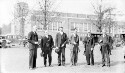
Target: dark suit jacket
x=89 y=43
x=105 y=44
x=72 y=40
x=32 y=37
x=105 y=40
x=47 y=43
x=60 y=39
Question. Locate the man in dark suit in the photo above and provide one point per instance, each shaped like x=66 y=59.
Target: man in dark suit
x=89 y=47
x=110 y=43
x=60 y=43
x=74 y=43
x=33 y=45
x=105 y=50
x=46 y=47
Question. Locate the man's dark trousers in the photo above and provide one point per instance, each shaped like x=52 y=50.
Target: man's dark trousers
x=32 y=58
x=75 y=54
x=105 y=54
x=61 y=53
x=90 y=56
x=49 y=54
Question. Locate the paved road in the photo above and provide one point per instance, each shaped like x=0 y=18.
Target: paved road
x=16 y=60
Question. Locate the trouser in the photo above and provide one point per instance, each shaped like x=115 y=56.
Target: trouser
x=49 y=54
x=105 y=55
x=90 y=56
x=74 y=55
x=61 y=54
x=110 y=48
x=71 y=56
x=32 y=59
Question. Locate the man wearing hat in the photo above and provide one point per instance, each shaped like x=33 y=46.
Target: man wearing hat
x=46 y=47
x=60 y=43
x=89 y=47
x=105 y=50
x=74 y=43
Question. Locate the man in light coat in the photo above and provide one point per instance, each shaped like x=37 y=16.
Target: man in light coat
x=74 y=43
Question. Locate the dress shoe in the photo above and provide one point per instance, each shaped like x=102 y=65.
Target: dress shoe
x=44 y=65
x=71 y=64
x=63 y=64
x=59 y=64
x=103 y=65
x=75 y=64
x=108 y=65
x=31 y=68
x=88 y=64
x=50 y=65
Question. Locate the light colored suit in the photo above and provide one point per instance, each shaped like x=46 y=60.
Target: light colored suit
x=74 y=48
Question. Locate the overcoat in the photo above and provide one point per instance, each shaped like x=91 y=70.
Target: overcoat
x=47 y=43
x=72 y=40
x=89 y=43
x=32 y=38
x=61 y=39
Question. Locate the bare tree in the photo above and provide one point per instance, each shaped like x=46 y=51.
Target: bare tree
x=104 y=16
x=21 y=11
x=47 y=9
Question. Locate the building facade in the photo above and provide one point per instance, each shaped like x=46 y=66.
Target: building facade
x=24 y=21
x=68 y=21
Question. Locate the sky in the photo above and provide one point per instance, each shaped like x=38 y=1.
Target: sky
x=67 y=6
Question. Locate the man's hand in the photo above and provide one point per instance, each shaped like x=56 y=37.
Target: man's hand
x=92 y=49
x=100 y=41
x=56 y=47
x=75 y=43
x=62 y=45
x=84 y=52
x=36 y=42
x=79 y=50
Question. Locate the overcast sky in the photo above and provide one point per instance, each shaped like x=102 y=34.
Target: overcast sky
x=67 y=6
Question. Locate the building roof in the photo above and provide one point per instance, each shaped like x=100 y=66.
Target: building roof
x=61 y=14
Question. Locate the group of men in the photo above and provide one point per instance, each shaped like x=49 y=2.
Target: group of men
x=47 y=44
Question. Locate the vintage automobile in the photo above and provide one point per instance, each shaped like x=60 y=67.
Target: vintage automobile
x=0 y=43
x=4 y=43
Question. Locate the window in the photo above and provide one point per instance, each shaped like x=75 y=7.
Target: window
x=81 y=27
x=50 y=26
x=40 y=27
x=72 y=26
x=54 y=25
x=77 y=25
x=59 y=24
x=89 y=26
x=85 y=27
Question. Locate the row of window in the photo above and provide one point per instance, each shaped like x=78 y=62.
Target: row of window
x=82 y=27
x=53 y=26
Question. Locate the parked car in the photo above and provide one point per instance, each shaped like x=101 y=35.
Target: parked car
x=5 y=43
x=0 y=43
x=8 y=42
